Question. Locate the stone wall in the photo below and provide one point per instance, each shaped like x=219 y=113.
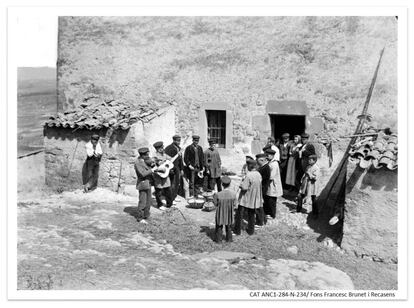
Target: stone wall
x=371 y=214
x=328 y=62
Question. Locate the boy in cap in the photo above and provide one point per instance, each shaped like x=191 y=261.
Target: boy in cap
x=250 y=198
x=308 y=185
x=225 y=202
x=284 y=148
x=143 y=169
x=213 y=167
x=176 y=175
x=94 y=155
x=244 y=168
x=194 y=161
x=162 y=185
x=274 y=189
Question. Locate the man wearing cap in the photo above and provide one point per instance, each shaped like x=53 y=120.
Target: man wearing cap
x=162 y=185
x=94 y=155
x=213 y=167
x=284 y=148
x=305 y=151
x=177 y=173
x=264 y=170
x=274 y=189
x=143 y=169
x=194 y=161
x=250 y=198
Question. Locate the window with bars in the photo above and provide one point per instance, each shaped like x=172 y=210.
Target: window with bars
x=216 y=126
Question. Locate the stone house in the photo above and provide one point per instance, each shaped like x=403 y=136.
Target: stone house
x=238 y=79
x=370 y=219
x=122 y=129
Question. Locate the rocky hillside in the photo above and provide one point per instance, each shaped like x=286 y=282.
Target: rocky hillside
x=243 y=61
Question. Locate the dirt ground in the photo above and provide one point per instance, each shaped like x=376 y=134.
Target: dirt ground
x=93 y=241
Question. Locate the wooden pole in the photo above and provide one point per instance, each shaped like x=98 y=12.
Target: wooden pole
x=342 y=164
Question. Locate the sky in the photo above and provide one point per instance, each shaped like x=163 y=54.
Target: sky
x=36 y=41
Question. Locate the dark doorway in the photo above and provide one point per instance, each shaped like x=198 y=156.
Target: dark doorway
x=216 y=126
x=285 y=123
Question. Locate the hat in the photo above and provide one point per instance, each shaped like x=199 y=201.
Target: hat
x=313 y=156
x=176 y=137
x=270 y=151
x=196 y=137
x=211 y=140
x=95 y=137
x=266 y=147
x=286 y=135
x=158 y=144
x=250 y=161
x=260 y=155
x=143 y=151
x=225 y=180
x=304 y=135
x=248 y=157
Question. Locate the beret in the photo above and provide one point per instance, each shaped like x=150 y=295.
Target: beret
x=260 y=155
x=266 y=147
x=95 y=137
x=248 y=157
x=158 y=144
x=143 y=150
x=305 y=135
x=270 y=151
x=176 y=137
x=286 y=135
x=250 y=161
x=196 y=137
x=225 y=180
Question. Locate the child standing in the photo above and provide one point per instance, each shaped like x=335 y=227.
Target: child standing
x=225 y=201
x=308 y=185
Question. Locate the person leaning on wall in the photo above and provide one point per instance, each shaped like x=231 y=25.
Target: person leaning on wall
x=93 y=158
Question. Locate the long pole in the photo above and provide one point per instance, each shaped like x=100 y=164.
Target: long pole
x=357 y=130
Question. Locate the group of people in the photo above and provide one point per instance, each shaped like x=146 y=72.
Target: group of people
x=279 y=165
x=191 y=173
x=285 y=164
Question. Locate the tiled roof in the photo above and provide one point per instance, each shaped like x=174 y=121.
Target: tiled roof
x=97 y=113
x=379 y=150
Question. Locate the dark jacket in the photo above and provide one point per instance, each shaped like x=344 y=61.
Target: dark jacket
x=144 y=175
x=189 y=156
x=309 y=150
x=284 y=150
x=265 y=173
x=171 y=151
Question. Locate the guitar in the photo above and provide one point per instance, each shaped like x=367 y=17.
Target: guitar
x=167 y=166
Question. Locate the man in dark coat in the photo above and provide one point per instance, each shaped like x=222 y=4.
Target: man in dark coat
x=284 y=148
x=305 y=151
x=177 y=173
x=213 y=167
x=194 y=161
x=143 y=169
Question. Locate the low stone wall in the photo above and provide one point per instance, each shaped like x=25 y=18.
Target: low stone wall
x=371 y=214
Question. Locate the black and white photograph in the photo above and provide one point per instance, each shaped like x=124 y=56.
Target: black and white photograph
x=247 y=154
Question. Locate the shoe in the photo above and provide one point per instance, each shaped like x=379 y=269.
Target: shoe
x=162 y=208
